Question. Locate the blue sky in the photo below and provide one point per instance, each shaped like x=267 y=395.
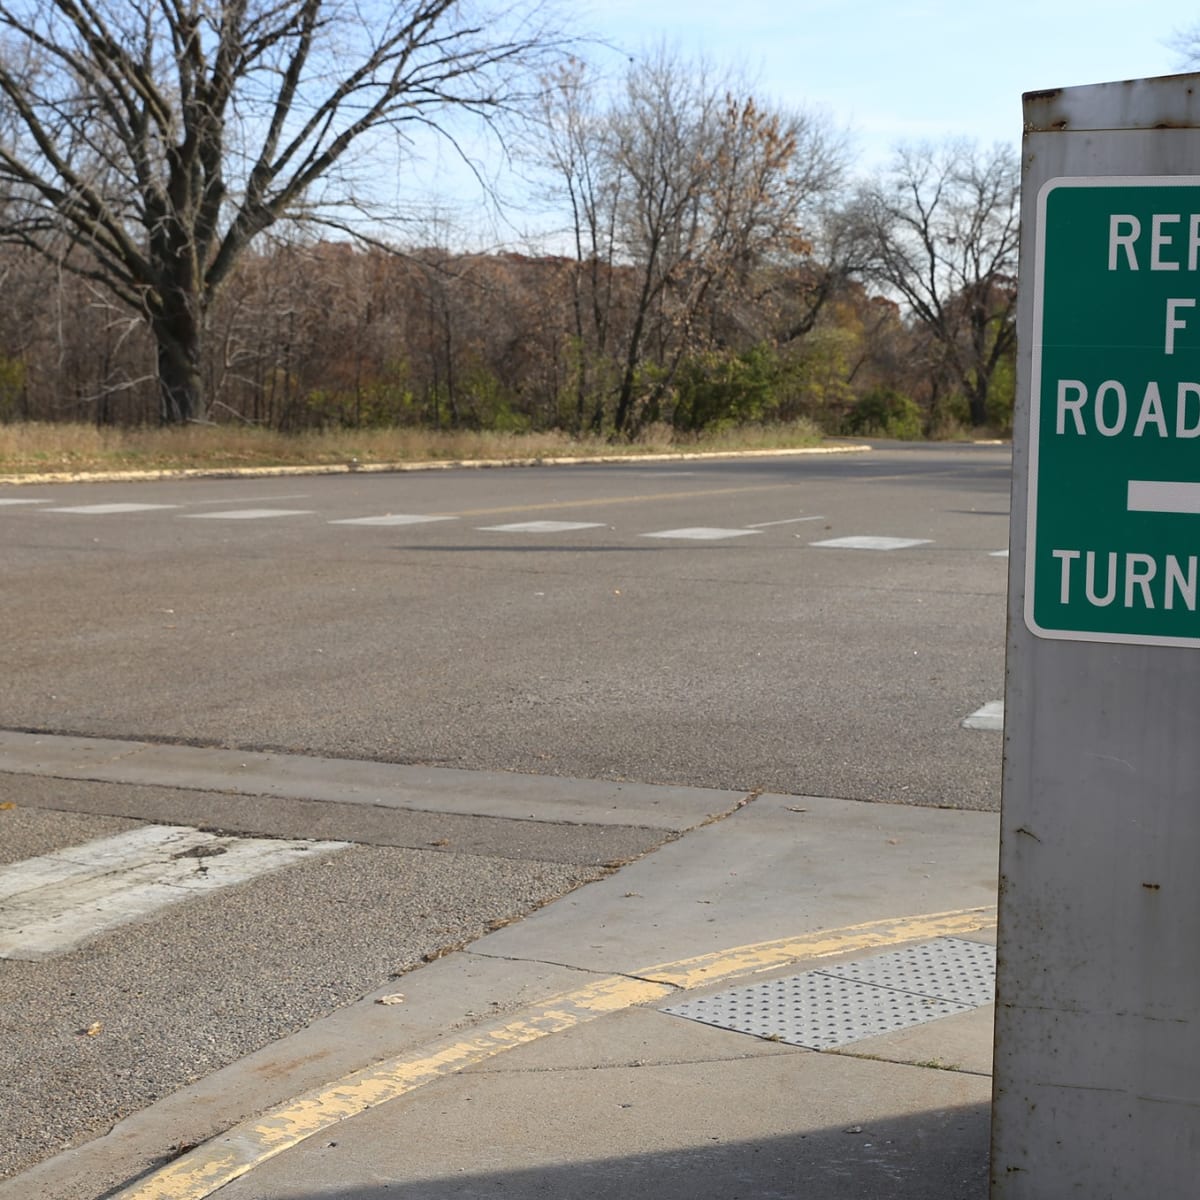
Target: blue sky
x=910 y=70
x=889 y=72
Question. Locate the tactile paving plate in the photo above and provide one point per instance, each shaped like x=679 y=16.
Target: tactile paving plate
x=822 y=1010
x=948 y=968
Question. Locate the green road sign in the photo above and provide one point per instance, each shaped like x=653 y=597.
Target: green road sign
x=1114 y=473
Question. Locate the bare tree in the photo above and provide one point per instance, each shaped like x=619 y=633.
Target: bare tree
x=680 y=188
x=1185 y=41
x=943 y=231
x=573 y=144
x=715 y=184
x=146 y=143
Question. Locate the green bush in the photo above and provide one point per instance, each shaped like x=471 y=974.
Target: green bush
x=717 y=389
x=485 y=403
x=12 y=384
x=1002 y=391
x=885 y=412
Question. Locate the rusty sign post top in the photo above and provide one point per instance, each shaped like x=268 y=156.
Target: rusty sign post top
x=1167 y=102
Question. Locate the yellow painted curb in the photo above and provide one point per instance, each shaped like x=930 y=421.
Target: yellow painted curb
x=200 y=1172
x=766 y=956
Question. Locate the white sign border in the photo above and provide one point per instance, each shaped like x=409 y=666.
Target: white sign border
x=1035 y=388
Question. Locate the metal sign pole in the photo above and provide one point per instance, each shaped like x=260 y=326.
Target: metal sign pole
x=1097 y=1069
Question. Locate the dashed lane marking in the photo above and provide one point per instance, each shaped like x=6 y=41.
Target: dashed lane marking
x=541 y=527
x=870 y=543
x=202 y=1171
x=701 y=533
x=392 y=519
x=788 y=521
x=103 y=510
x=692 y=533
x=248 y=514
x=54 y=902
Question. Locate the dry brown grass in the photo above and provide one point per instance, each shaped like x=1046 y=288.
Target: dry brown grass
x=33 y=449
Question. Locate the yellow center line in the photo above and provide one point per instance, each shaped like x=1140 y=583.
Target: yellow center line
x=200 y=1172
x=600 y=500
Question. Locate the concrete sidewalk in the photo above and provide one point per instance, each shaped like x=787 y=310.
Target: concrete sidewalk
x=540 y=1061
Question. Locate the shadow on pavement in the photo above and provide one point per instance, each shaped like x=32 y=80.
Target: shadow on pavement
x=929 y=1156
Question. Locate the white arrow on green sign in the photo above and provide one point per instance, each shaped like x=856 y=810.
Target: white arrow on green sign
x=1113 y=550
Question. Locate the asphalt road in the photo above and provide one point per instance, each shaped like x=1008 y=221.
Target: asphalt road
x=751 y=661
x=614 y=644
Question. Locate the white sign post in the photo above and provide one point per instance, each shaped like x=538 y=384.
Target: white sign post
x=1097 y=1069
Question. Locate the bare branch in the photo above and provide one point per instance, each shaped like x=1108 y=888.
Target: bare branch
x=943 y=229
x=162 y=136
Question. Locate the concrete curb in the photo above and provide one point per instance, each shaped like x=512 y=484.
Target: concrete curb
x=355 y=468
x=200 y=1172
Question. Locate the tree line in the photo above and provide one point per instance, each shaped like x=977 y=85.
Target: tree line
x=187 y=232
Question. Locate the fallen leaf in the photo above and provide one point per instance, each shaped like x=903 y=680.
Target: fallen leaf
x=7 y=805
x=94 y=1028
x=394 y=998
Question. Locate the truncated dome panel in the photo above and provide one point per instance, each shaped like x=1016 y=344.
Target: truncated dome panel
x=846 y=1002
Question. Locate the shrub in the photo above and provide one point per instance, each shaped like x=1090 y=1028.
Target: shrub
x=719 y=389
x=885 y=412
x=12 y=384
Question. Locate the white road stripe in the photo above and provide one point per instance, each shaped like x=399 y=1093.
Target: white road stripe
x=789 y=521
x=249 y=514
x=989 y=717
x=54 y=902
x=998 y=553
x=115 y=853
x=101 y=510
x=870 y=543
x=701 y=533
x=23 y=501
x=392 y=519
x=541 y=527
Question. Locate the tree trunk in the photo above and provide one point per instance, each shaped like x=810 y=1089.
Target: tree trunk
x=177 y=336
x=977 y=398
x=621 y=420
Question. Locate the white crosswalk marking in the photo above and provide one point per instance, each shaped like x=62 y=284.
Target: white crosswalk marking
x=701 y=533
x=103 y=510
x=54 y=902
x=698 y=533
x=392 y=519
x=249 y=514
x=541 y=527
x=785 y=521
x=870 y=543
